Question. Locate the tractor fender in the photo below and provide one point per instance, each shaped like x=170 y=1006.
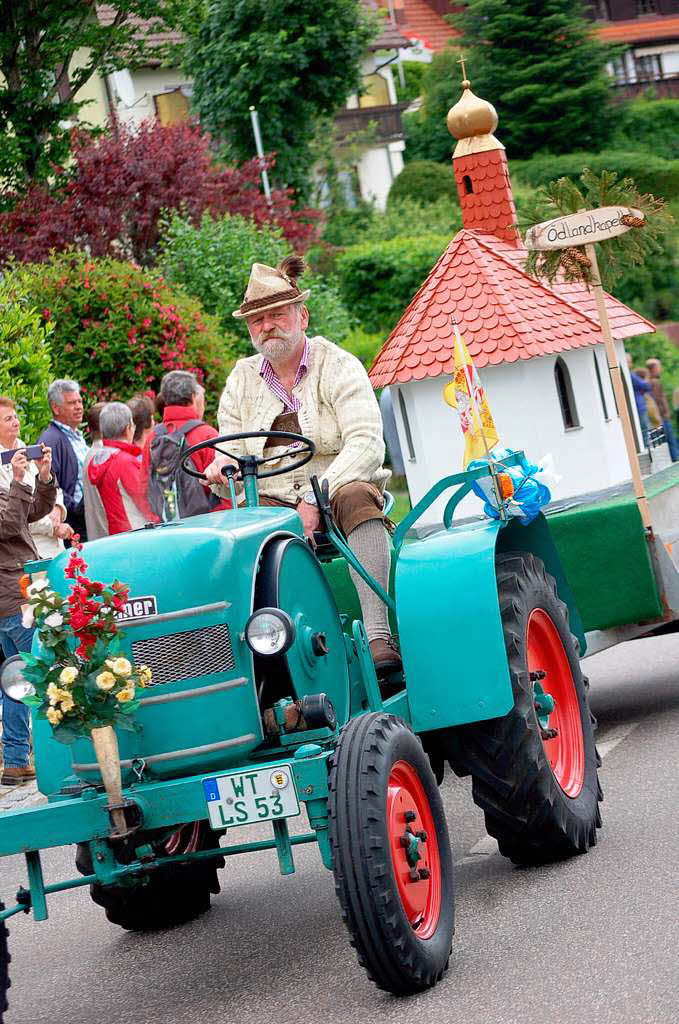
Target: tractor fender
x=449 y=622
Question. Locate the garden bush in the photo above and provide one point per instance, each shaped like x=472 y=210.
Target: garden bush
x=424 y=181
x=651 y=125
x=117 y=329
x=111 y=198
x=650 y=173
x=212 y=263
x=25 y=363
x=378 y=279
x=363 y=345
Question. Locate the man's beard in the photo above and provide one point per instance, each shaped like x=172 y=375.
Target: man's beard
x=278 y=344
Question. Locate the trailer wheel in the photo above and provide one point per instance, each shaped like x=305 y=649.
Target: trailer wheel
x=5 y=959
x=167 y=896
x=534 y=771
x=391 y=854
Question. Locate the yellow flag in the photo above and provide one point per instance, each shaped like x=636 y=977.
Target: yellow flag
x=466 y=394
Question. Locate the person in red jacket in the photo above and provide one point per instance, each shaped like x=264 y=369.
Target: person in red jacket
x=115 y=470
x=182 y=399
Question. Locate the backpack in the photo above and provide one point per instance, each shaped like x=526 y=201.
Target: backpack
x=173 y=494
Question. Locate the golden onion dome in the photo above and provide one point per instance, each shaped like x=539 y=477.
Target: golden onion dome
x=471 y=116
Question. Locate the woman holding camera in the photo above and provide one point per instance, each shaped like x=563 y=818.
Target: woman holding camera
x=20 y=505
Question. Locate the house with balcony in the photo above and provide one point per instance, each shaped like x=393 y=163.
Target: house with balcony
x=649 y=29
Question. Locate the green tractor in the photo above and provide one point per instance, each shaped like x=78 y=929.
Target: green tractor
x=265 y=704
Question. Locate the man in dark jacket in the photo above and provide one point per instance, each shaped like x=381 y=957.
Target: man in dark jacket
x=18 y=507
x=69 y=448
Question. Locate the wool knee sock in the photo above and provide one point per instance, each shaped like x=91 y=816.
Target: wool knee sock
x=370 y=544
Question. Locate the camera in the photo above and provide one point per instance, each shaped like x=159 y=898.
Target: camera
x=33 y=451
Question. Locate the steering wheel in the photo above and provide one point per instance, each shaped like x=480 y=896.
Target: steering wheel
x=249 y=464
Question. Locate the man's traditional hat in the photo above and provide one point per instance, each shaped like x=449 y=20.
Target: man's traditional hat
x=270 y=287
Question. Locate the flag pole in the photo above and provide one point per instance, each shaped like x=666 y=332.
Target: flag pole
x=477 y=413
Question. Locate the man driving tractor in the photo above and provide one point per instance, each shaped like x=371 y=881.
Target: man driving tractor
x=310 y=386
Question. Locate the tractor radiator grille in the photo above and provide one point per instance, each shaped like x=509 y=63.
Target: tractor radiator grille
x=196 y=652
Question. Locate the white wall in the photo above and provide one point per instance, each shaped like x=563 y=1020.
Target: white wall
x=525 y=406
x=146 y=83
x=377 y=169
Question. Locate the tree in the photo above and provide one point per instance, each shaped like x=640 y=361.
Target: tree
x=49 y=49
x=543 y=68
x=295 y=62
x=113 y=196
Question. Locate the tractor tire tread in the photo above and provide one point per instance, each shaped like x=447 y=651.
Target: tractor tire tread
x=379 y=932
x=526 y=811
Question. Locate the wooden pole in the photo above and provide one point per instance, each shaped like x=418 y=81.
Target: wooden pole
x=618 y=391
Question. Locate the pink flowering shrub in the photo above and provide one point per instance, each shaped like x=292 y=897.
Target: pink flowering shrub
x=117 y=328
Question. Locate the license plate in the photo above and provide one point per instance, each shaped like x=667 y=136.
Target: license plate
x=244 y=798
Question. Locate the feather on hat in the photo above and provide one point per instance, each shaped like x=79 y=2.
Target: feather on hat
x=271 y=287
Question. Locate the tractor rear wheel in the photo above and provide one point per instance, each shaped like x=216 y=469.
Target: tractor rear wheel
x=534 y=771
x=4 y=966
x=167 y=896
x=391 y=854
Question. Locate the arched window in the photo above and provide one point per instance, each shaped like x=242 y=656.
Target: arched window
x=406 y=426
x=564 y=389
x=468 y=187
x=601 y=386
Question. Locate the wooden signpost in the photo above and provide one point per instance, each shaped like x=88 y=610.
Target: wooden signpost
x=585 y=228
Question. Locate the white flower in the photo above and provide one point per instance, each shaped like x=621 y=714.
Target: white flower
x=120 y=666
x=68 y=675
x=54 y=619
x=105 y=681
x=27 y=620
x=35 y=588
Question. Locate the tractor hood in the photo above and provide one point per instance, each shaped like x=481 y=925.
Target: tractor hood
x=180 y=565
x=190 y=596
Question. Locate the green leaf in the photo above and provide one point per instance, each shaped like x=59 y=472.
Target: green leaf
x=32 y=702
x=67 y=733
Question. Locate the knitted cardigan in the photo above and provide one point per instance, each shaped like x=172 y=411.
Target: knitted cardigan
x=338 y=412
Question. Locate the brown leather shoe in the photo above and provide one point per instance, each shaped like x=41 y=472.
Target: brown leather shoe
x=16 y=775
x=385 y=655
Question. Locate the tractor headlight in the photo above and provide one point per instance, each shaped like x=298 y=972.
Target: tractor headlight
x=269 y=631
x=12 y=680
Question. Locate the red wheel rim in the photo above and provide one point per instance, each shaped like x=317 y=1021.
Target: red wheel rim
x=566 y=751
x=409 y=813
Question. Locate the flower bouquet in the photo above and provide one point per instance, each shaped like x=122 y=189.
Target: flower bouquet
x=82 y=683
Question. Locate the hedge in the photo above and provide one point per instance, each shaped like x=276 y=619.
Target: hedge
x=116 y=328
x=25 y=364
x=650 y=173
x=212 y=263
x=651 y=124
x=378 y=279
x=423 y=181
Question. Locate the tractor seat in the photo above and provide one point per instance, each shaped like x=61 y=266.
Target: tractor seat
x=326 y=550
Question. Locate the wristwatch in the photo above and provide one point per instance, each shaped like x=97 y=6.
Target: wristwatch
x=310 y=498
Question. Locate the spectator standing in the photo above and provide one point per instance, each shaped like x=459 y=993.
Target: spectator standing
x=95 y=517
x=19 y=506
x=115 y=470
x=69 y=448
x=641 y=386
x=675 y=405
x=182 y=400
x=50 y=532
x=654 y=367
x=142 y=410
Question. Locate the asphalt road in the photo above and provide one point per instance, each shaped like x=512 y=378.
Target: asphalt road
x=594 y=939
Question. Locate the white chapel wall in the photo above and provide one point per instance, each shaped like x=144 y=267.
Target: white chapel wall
x=525 y=405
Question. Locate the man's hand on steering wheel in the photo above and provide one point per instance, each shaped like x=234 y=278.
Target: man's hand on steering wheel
x=213 y=471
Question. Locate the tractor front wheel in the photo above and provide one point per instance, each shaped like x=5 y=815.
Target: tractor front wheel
x=167 y=896
x=391 y=854
x=534 y=771
x=4 y=966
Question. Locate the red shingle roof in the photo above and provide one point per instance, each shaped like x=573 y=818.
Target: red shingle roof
x=416 y=18
x=639 y=30
x=504 y=315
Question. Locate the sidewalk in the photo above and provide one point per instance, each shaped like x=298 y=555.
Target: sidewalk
x=14 y=798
